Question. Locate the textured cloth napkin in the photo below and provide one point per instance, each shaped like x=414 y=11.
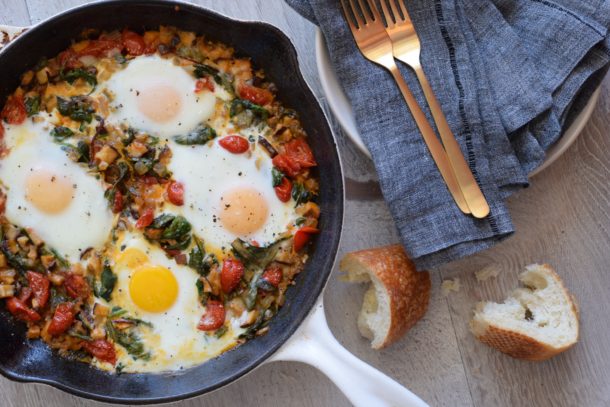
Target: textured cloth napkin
x=510 y=75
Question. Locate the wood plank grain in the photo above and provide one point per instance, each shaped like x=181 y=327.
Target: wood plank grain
x=14 y=13
x=427 y=361
x=562 y=219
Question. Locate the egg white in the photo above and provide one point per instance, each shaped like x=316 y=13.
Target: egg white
x=87 y=220
x=209 y=171
x=145 y=71
x=173 y=341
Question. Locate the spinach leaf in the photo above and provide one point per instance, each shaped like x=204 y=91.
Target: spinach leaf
x=175 y=232
x=77 y=108
x=116 y=312
x=201 y=135
x=129 y=340
x=244 y=113
x=253 y=289
x=202 y=70
x=60 y=133
x=79 y=336
x=177 y=229
x=199 y=260
x=254 y=256
x=107 y=282
x=188 y=52
x=203 y=296
x=88 y=75
x=162 y=221
x=277 y=176
x=32 y=105
x=221 y=78
x=300 y=194
x=79 y=154
x=14 y=260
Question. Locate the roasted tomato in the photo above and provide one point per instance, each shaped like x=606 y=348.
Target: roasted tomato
x=39 y=284
x=133 y=42
x=117 y=202
x=255 y=95
x=213 y=318
x=62 y=319
x=102 y=350
x=145 y=219
x=76 y=286
x=68 y=59
x=287 y=166
x=14 y=110
x=21 y=311
x=175 y=193
x=232 y=271
x=234 y=144
x=273 y=275
x=204 y=83
x=302 y=236
x=284 y=190
x=99 y=48
x=1 y=131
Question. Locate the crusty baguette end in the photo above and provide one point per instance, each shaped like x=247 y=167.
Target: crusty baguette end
x=397 y=298
x=536 y=322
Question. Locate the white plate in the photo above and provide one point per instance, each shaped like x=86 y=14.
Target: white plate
x=342 y=109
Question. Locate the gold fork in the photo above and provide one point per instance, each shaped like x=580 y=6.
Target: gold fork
x=406 y=47
x=375 y=44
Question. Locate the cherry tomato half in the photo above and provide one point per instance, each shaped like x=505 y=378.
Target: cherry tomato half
x=232 y=271
x=234 y=144
x=302 y=236
x=133 y=42
x=213 y=318
x=39 y=284
x=145 y=219
x=255 y=95
x=21 y=311
x=62 y=319
x=175 y=193
x=284 y=190
x=101 y=349
x=14 y=110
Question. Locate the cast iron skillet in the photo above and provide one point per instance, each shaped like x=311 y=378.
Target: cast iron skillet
x=270 y=49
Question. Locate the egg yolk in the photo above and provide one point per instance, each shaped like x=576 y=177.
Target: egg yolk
x=49 y=192
x=133 y=258
x=243 y=211
x=153 y=288
x=160 y=103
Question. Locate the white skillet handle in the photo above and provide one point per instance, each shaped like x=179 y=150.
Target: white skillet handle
x=8 y=33
x=363 y=385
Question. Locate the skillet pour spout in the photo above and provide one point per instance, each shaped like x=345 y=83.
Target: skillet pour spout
x=271 y=50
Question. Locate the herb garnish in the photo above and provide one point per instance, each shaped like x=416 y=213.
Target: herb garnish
x=201 y=135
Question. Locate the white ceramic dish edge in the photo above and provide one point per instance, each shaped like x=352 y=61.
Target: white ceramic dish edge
x=341 y=108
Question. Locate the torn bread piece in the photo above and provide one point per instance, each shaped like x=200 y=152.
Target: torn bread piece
x=536 y=322
x=397 y=298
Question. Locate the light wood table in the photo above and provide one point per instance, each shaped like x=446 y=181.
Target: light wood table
x=563 y=218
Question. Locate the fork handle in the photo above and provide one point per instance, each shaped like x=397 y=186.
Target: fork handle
x=436 y=149
x=472 y=193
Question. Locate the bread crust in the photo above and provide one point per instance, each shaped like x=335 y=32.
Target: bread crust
x=407 y=288
x=518 y=345
x=522 y=346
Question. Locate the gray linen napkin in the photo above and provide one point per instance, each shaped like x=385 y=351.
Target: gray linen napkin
x=510 y=75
